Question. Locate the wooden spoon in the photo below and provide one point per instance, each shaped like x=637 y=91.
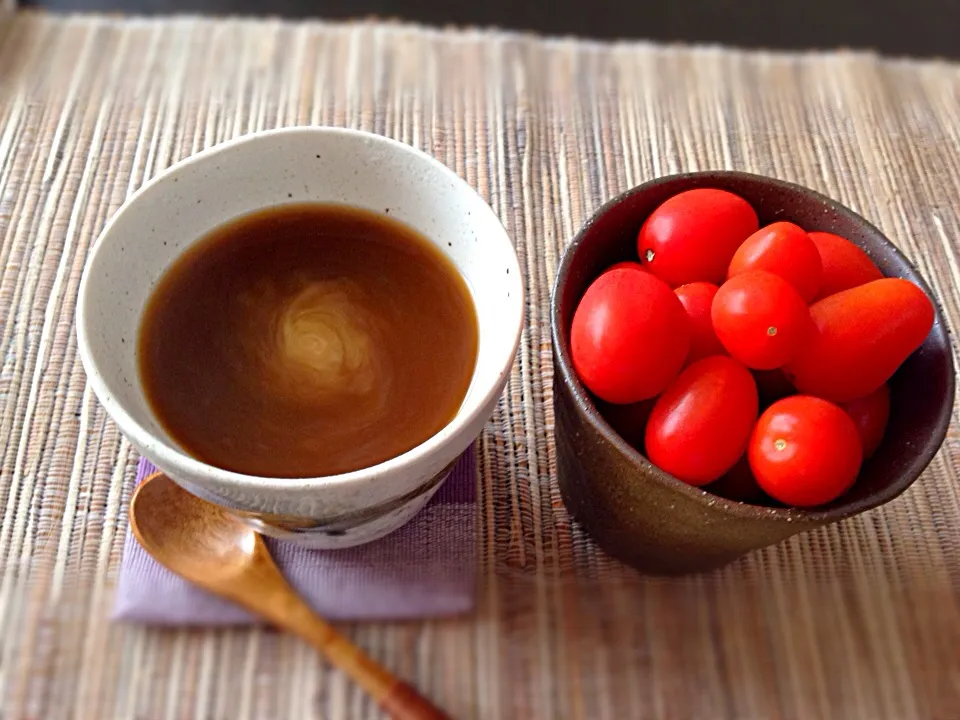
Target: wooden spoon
x=209 y=547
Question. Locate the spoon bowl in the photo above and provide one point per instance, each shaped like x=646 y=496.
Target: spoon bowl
x=206 y=545
x=201 y=540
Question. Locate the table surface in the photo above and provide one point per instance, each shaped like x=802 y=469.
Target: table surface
x=858 y=620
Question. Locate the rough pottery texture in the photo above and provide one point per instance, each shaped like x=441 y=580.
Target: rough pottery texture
x=650 y=519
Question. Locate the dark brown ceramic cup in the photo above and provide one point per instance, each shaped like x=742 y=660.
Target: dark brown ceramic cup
x=648 y=518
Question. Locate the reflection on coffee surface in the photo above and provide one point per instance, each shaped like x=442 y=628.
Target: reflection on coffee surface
x=307 y=340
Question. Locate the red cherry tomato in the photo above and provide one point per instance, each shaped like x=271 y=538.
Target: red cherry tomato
x=692 y=236
x=697 y=298
x=629 y=336
x=844 y=264
x=805 y=451
x=631 y=264
x=864 y=334
x=702 y=422
x=870 y=414
x=785 y=250
x=760 y=319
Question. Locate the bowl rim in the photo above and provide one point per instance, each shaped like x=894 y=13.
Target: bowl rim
x=169 y=456
x=738 y=509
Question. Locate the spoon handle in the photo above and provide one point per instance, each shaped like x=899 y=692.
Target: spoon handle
x=398 y=699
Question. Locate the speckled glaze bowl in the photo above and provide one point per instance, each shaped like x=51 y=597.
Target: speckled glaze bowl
x=302 y=164
x=648 y=518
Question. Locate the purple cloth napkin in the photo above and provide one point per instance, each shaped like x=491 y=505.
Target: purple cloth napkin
x=426 y=568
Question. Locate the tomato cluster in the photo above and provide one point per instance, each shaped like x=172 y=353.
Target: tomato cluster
x=753 y=360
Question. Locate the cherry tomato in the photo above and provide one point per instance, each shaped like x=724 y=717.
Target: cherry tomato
x=692 y=236
x=805 y=451
x=702 y=422
x=633 y=265
x=739 y=484
x=870 y=415
x=864 y=334
x=760 y=319
x=697 y=299
x=629 y=421
x=629 y=336
x=844 y=264
x=785 y=250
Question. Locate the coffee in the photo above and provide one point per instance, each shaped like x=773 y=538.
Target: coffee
x=307 y=340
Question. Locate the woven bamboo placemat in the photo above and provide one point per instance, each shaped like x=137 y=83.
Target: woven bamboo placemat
x=860 y=620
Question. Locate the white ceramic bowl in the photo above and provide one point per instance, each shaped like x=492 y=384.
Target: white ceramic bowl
x=266 y=169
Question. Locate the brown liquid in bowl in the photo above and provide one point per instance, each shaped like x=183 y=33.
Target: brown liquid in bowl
x=307 y=340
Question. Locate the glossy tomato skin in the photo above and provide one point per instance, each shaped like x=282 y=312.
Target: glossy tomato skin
x=700 y=426
x=805 y=451
x=761 y=319
x=629 y=337
x=870 y=415
x=863 y=335
x=697 y=299
x=784 y=249
x=844 y=264
x=692 y=236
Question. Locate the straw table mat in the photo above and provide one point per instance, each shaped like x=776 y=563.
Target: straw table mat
x=860 y=620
